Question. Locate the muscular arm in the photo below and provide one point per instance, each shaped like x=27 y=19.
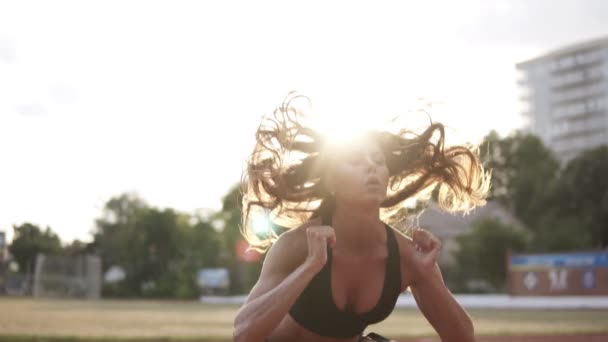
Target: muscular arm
x=284 y=276
x=441 y=309
x=421 y=273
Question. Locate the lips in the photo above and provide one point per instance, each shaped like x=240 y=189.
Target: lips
x=373 y=181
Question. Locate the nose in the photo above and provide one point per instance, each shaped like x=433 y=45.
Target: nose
x=371 y=164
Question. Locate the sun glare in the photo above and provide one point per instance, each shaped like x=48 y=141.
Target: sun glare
x=261 y=225
x=341 y=127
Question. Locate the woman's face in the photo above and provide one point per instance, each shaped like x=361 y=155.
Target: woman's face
x=358 y=174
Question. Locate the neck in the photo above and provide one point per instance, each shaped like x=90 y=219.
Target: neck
x=357 y=228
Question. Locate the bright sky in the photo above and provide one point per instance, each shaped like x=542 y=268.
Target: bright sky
x=162 y=98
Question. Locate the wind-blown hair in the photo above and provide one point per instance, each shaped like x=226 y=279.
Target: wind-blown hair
x=284 y=176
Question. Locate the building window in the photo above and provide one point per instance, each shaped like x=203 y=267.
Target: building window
x=566 y=62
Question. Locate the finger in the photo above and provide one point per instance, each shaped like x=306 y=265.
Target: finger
x=435 y=251
x=435 y=243
x=435 y=254
x=316 y=238
x=324 y=249
x=330 y=235
x=422 y=239
x=432 y=240
x=331 y=241
x=322 y=245
x=317 y=232
x=309 y=237
x=319 y=244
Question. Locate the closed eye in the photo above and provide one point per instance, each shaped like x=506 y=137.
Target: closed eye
x=378 y=158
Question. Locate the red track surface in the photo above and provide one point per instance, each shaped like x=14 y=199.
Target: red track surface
x=547 y=338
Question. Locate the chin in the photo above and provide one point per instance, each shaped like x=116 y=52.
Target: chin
x=371 y=200
x=364 y=199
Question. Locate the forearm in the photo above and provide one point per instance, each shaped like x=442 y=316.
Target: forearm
x=258 y=318
x=449 y=318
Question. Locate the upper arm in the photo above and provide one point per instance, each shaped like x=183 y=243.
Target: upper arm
x=432 y=296
x=283 y=257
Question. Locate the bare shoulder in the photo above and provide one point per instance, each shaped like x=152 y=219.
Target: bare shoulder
x=290 y=249
x=284 y=256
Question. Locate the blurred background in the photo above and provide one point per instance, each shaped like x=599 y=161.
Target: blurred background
x=125 y=126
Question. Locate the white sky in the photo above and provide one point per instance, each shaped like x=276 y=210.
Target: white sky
x=162 y=98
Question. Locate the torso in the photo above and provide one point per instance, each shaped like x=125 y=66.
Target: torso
x=356 y=286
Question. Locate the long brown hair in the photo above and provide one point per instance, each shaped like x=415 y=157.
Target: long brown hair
x=284 y=177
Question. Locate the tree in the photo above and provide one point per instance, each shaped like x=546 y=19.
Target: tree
x=566 y=209
x=159 y=249
x=206 y=245
x=146 y=242
x=580 y=197
x=557 y=233
x=522 y=171
x=76 y=248
x=201 y=248
x=28 y=241
x=482 y=253
x=243 y=274
x=116 y=240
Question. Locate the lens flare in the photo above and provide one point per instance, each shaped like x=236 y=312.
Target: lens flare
x=261 y=225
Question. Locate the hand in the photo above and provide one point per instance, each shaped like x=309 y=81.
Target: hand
x=369 y=339
x=427 y=251
x=318 y=238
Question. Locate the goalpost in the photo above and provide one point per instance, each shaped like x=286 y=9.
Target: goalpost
x=67 y=277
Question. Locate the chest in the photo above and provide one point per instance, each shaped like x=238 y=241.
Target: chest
x=357 y=285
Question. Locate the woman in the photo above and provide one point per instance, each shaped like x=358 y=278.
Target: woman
x=341 y=268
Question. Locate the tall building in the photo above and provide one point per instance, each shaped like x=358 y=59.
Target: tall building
x=565 y=95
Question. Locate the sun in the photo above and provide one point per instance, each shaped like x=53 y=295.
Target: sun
x=339 y=127
x=337 y=121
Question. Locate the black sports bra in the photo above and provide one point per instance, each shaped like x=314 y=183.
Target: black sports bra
x=316 y=310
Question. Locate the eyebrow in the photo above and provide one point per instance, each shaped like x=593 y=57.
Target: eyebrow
x=359 y=153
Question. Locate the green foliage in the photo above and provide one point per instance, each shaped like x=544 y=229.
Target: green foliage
x=568 y=208
x=483 y=251
x=160 y=250
x=522 y=169
x=28 y=241
x=563 y=209
x=243 y=274
x=558 y=233
x=575 y=207
x=582 y=193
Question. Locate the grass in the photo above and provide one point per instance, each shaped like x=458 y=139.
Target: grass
x=29 y=320
x=407 y=323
